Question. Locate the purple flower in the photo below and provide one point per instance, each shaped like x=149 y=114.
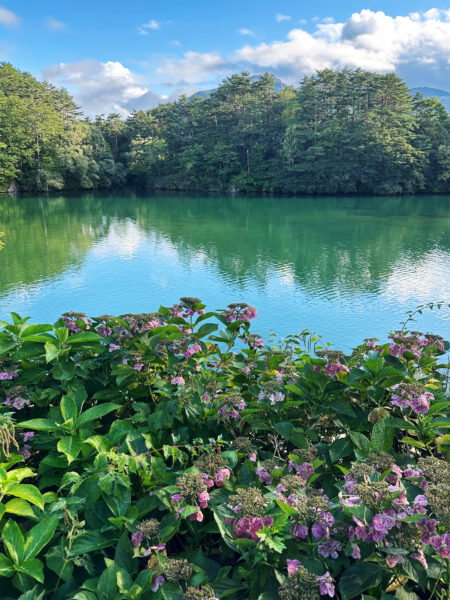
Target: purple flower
x=292 y=566
x=264 y=476
x=157 y=583
x=8 y=375
x=441 y=543
x=334 y=368
x=420 y=500
x=421 y=404
x=318 y=531
x=252 y=456
x=27 y=435
x=26 y=451
x=176 y=497
x=138 y=366
x=305 y=470
x=326 y=584
x=277 y=397
x=113 y=347
x=399 y=401
x=420 y=556
x=329 y=548
x=178 y=380
x=247 y=526
x=382 y=523
x=356 y=552
x=301 y=531
x=136 y=538
x=428 y=528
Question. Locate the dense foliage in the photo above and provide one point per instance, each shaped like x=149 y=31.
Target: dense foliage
x=345 y=131
x=44 y=145
x=174 y=455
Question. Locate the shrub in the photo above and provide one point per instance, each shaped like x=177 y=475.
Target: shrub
x=156 y=456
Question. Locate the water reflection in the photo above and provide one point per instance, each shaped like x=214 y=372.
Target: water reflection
x=331 y=264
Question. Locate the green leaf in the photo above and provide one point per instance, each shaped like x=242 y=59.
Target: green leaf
x=69 y=408
x=40 y=536
x=107 y=583
x=206 y=329
x=6 y=566
x=91 y=541
x=284 y=429
x=96 y=412
x=358 y=578
x=13 y=541
x=70 y=446
x=51 y=351
x=20 y=507
x=34 y=568
x=382 y=436
x=84 y=337
x=340 y=448
x=27 y=492
x=39 y=425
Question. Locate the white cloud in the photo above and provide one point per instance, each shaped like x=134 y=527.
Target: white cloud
x=303 y=21
x=245 y=31
x=416 y=46
x=193 y=68
x=54 y=25
x=102 y=88
x=279 y=17
x=328 y=20
x=7 y=17
x=175 y=43
x=150 y=25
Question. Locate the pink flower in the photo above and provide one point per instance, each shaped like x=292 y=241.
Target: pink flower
x=153 y=324
x=138 y=366
x=421 y=404
x=420 y=556
x=334 y=368
x=203 y=498
x=393 y=559
x=27 y=435
x=178 y=380
x=221 y=475
x=252 y=456
x=198 y=516
x=113 y=347
x=292 y=566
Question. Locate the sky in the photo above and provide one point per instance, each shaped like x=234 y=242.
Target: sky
x=116 y=56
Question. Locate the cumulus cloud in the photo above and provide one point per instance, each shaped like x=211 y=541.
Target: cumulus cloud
x=245 y=31
x=279 y=17
x=7 y=17
x=150 y=25
x=54 y=25
x=193 y=68
x=416 y=46
x=102 y=88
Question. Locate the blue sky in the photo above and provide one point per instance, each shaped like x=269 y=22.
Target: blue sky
x=118 y=56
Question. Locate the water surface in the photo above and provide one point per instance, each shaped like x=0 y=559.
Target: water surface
x=347 y=268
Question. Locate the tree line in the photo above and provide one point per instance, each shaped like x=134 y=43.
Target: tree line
x=341 y=132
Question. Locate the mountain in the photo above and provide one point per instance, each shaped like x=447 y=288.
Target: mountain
x=279 y=85
x=442 y=95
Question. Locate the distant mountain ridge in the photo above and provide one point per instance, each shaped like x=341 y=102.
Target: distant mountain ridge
x=279 y=85
x=428 y=92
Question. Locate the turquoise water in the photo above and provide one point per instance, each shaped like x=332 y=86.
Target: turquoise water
x=347 y=268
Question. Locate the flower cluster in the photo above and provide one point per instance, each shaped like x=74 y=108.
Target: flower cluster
x=240 y=311
x=412 y=395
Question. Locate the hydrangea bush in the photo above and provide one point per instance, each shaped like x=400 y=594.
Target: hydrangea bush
x=174 y=455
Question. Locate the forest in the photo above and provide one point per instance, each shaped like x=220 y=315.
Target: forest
x=339 y=132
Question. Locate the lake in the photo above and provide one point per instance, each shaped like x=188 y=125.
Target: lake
x=346 y=268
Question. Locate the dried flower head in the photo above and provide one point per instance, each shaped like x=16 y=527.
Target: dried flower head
x=248 y=501
x=438 y=496
x=361 y=471
x=205 y=592
x=210 y=463
x=435 y=469
x=190 y=301
x=242 y=444
x=300 y=586
x=382 y=461
x=149 y=528
x=191 y=485
x=373 y=493
x=177 y=569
